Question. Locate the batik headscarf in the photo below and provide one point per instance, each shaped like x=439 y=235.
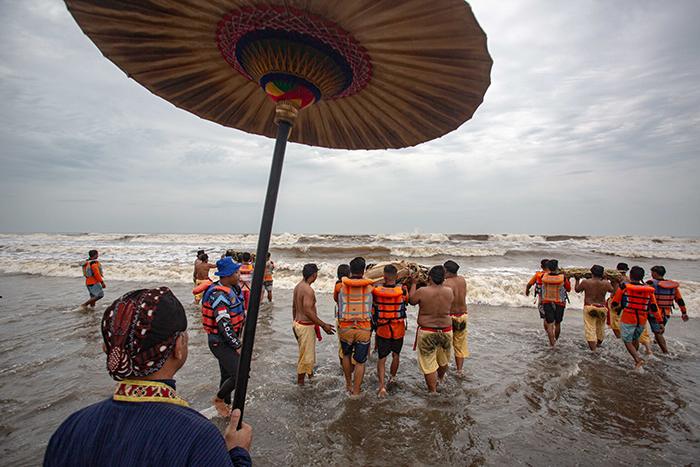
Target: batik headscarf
x=140 y=329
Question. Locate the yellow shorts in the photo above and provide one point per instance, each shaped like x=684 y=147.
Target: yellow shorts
x=340 y=347
x=459 y=336
x=644 y=338
x=594 y=322
x=434 y=349
x=306 y=339
x=198 y=297
x=614 y=321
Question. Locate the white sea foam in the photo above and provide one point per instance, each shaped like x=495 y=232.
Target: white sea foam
x=427 y=252
x=496 y=270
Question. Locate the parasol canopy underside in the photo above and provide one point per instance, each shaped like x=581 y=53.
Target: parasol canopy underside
x=430 y=66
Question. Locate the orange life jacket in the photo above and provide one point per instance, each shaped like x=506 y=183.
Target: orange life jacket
x=553 y=290
x=92 y=276
x=665 y=293
x=233 y=301
x=246 y=272
x=538 y=282
x=636 y=299
x=355 y=300
x=390 y=301
x=269 y=267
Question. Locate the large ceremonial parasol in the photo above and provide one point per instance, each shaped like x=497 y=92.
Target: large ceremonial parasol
x=350 y=74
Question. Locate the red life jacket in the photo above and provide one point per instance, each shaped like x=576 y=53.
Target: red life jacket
x=390 y=301
x=355 y=300
x=235 y=308
x=665 y=293
x=636 y=299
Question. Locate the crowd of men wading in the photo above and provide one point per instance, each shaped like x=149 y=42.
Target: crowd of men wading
x=631 y=303
x=145 y=338
x=363 y=307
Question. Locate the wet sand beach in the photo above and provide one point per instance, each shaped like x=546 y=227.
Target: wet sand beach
x=519 y=403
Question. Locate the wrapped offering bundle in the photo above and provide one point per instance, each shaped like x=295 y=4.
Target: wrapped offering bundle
x=405 y=271
x=612 y=274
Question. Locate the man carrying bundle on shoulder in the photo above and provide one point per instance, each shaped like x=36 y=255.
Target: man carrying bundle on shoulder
x=594 y=309
x=637 y=301
x=555 y=286
x=665 y=292
x=390 y=317
x=536 y=280
x=354 y=323
x=614 y=321
x=458 y=312
x=434 y=333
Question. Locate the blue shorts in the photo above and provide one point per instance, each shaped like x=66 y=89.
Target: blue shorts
x=95 y=290
x=358 y=350
x=631 y=332
x=654 y=325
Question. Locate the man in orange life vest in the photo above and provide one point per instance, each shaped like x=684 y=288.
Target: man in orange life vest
x=554 y=288
x=665 y=292
x=222 y=316
x=246 y=273
x=434 y=333
x=637 y=301
x=267 y=279
x=343 y=271
x=536 y=280
x=389 y=301
x=307 y=325
x=92 y=270
x=354 y=323
x=458 y=312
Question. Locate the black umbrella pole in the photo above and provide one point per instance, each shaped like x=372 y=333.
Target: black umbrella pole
x=251 y=320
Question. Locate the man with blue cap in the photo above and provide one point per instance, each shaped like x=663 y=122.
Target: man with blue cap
x=223 y=313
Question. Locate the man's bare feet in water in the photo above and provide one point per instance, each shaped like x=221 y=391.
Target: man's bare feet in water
x=348 y=386
x=391 y=379
x=221 y=407
x=382 y=392
x=300 y=378
x=639 y=364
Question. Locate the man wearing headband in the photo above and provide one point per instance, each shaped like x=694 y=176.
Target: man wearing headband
x=145 y=422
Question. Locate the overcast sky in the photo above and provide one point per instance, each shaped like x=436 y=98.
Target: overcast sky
x=591 y=126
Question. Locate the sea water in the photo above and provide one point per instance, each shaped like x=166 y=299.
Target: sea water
x=518 y=403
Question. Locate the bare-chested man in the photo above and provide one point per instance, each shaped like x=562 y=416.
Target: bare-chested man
x=594 y=305
x=458 y=312
x=614 y=316
x=201 y=273
x=434 y=334
x=307 y=325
